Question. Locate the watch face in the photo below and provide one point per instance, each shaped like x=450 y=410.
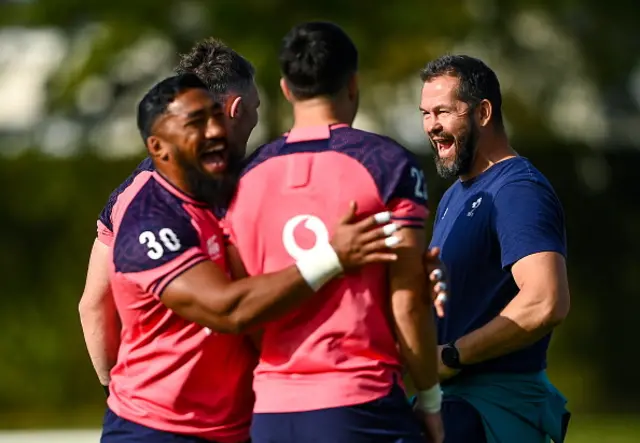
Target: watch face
x=450 y=357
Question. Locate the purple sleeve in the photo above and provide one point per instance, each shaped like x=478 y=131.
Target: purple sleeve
x=154 y=246
x=402 y=186
x=105 y=222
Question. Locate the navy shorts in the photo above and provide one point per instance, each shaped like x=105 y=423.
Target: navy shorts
x=462 y=422
x=119 y=430
x=386 y=420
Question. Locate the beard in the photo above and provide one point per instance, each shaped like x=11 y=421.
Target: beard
x=217 y=192
x=465 y=150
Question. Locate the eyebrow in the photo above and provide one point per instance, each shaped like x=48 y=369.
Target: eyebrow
x=203 y=111
x=435 y=107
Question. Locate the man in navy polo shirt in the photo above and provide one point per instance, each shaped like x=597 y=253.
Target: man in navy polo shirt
x=501 y=231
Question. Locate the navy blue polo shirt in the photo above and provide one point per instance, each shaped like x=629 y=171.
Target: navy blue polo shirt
x=483 y=226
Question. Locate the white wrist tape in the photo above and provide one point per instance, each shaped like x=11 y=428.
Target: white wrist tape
x=319 y=265
x=430 y=400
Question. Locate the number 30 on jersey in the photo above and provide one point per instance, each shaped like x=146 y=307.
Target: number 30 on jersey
x=168 y=240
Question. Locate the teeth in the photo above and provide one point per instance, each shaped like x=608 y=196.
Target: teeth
x=213 y=149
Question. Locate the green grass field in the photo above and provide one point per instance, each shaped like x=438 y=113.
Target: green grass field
x=597 y=429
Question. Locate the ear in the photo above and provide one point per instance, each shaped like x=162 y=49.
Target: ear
x=234 y=106
x=156 y=148
x=285 y=90
x=352 y=86
x=484 y=112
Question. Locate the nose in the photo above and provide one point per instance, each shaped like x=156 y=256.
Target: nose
x=432 y=126
x=215 y=128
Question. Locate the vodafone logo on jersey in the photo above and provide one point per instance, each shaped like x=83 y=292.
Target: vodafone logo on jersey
x=213 y=247
x=310 y=222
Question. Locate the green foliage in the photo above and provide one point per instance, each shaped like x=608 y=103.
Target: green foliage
x=566 y=41
x=50 y=209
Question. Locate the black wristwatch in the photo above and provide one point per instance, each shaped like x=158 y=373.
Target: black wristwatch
x=450 y=356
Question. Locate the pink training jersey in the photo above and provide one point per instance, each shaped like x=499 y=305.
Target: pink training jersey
x=172 y=374
x=338 y=349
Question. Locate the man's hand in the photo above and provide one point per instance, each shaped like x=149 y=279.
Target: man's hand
x=358 y=243
x=444 y=371
x=432 y=426
x=438 y=279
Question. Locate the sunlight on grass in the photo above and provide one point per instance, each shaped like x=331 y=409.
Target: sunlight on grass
x=596 y=429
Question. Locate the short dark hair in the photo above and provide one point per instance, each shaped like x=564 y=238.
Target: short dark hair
x=220 y=68
x=317 y=59
x=476 y=80
x=160 y=96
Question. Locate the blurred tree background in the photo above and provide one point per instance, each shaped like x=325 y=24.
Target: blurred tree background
x=71 y=73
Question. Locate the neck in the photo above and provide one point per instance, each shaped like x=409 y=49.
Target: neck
x=492 y=148
x=217 y=192
x=175 y=176
x=318 y=112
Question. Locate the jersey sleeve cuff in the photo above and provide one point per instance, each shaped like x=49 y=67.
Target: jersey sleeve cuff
x=162 y=284
x=408 y=214
x=156 y=280
x=104 y=234
x=511 y=259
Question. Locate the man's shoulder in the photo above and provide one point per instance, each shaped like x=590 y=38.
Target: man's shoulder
x=387 y=161
x=395 y=170
x=519 y=169
x=152 y=203
x=263 y=153
x=371 y=143
x=362 y=145
x=145 y=166
x=154 y=229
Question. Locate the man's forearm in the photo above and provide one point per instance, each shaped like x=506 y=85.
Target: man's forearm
x=519 y=325
x=234 y=307
x=101 y=329
x=411 y=310
x=254 y=300
x=417 y=340
x=98 y=313
x=205 y=296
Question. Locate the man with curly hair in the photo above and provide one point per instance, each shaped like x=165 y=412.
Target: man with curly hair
x=231 y=78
